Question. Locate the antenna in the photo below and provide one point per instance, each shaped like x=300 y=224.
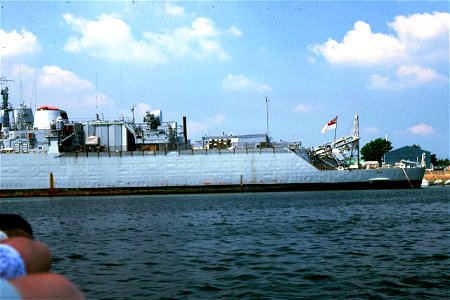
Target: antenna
x=132 y=111
x=267 y=116
x=35 y=89
x=96 y=107
x=356 y=127
x=20 y=85
x=121 y=92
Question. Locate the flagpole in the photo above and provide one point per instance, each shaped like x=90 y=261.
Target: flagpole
x=335 y=128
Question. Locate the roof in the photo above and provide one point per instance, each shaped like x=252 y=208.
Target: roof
x=407 y=149
x=46 y=107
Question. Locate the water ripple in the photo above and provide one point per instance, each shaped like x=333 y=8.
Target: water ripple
x=334 y=244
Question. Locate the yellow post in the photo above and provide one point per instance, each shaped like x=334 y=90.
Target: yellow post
x=52 y=184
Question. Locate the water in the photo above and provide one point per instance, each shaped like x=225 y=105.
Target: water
x=386 y=244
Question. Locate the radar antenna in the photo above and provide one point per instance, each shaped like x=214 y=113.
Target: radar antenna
x=4 y=92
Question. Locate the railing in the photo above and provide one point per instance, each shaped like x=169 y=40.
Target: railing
x=176 y=152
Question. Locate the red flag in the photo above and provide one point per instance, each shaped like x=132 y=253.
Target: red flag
x=330 y=125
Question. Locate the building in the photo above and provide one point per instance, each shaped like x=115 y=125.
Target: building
x=408 y=154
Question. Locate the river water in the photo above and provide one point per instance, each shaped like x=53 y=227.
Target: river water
x=383 y=244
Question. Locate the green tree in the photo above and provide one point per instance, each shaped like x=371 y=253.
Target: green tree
x=434 y=160
x=375 y=150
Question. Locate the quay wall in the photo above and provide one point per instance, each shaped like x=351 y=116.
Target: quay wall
x=435 y=175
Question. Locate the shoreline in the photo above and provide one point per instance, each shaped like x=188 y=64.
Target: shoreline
x=432 y=176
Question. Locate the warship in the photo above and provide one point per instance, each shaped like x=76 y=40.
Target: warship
x=46 y=154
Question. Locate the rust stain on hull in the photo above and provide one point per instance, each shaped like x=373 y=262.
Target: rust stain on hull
x=55 y=192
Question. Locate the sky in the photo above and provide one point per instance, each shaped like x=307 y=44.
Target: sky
x=216 y=62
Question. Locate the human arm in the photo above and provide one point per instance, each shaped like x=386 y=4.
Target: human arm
x=36 y=255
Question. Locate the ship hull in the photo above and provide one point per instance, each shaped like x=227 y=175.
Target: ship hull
x=203 y=189
x=184 y=172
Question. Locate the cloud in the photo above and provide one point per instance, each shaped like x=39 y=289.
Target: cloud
x=18 y=43
x=64 y=80
x=200 y=40
x=216 y=119
x=62 y=88
x=235 y=31
x=173 y=10
x=196 y=128
x=242 y=83
x=361 y=46
x=302 y=108
x=413 y=37
x=410 y=56
x=407 y=76
x=202 y=127
x=67 y=88
x=422 y=129
x=420 y=74
x=140 y=110
x=110 y=37
x=422 y=27
x=370 y=130
x=380 y=82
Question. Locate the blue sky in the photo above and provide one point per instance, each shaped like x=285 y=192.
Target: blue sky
x=215 y=62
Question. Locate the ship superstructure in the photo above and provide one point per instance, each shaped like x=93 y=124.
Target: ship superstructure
x=47 y=154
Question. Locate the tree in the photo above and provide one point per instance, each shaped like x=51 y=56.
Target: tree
x=416 y=146
x=434 y=159
x=375 y=150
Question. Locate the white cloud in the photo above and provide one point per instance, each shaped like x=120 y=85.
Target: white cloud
x=63 y=88
x=235 y=31
x=407 y=76
x=111 y=37
x=361 y=46
x=59 y=87
x=370 y=130
x=302 y=108
x=216 y=119
x=419 y=73
x=18 y=43
x=200 y=40
x=195 y=128
x=417 y=38
x=422 y=27
x=422 y=129
x=242 y=83
x=173 y=10
x=310 y=59
x=198 y=128
x=140 y=111
x=67 y=88
x=64 y=80
x=380 y=82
